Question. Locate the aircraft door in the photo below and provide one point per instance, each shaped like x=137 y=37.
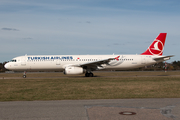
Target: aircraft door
x=143 y=60
x=23 y=61
x=58 y=62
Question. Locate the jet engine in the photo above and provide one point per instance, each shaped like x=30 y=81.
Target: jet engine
x=73 y=70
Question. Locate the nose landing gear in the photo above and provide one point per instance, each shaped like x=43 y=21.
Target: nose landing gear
x=24 y=76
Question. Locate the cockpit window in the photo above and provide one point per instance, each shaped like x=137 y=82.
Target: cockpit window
x=13 y=61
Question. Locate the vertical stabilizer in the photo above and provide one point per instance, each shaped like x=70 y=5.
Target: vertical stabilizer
x=157 y=47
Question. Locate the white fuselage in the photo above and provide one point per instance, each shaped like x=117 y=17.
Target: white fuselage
x=78 y=64
x=60 y=62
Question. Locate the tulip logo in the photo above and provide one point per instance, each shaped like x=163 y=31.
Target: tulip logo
x=156 y=47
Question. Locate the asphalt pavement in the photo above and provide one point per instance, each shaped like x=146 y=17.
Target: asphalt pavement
x=106 y=109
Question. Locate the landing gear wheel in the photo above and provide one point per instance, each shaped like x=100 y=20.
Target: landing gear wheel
x=24 y=76
x=89 y=74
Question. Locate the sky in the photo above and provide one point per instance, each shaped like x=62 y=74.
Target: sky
x=81 y=27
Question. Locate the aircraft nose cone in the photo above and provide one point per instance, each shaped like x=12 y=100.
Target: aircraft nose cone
x=6 y=66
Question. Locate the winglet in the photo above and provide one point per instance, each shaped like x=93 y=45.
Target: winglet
x=157 y=47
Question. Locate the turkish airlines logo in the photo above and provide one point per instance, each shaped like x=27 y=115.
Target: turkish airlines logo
x=156 y=47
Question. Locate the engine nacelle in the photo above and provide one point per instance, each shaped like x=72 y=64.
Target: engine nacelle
x=74 y=70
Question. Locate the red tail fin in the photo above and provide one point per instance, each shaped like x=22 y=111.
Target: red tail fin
x=156 y=48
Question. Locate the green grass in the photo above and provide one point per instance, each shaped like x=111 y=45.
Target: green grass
x=110 y=86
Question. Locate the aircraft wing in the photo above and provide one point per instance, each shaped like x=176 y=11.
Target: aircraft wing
x=94 y=65
x=163 y=58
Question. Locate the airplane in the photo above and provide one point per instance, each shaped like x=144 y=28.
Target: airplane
x=80 y=64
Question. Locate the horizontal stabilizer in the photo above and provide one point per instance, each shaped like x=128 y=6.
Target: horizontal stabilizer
x=163 y=58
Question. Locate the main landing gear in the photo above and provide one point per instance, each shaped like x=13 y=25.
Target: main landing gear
x=89 y=74
x=24 y=76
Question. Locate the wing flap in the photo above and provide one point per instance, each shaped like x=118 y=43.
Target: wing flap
x=94 y=65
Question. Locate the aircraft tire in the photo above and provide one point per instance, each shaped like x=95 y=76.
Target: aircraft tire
x=91 y=75
x=87 y=74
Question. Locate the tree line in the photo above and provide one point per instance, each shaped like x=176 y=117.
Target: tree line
x=2 y=69
x=156 y=67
